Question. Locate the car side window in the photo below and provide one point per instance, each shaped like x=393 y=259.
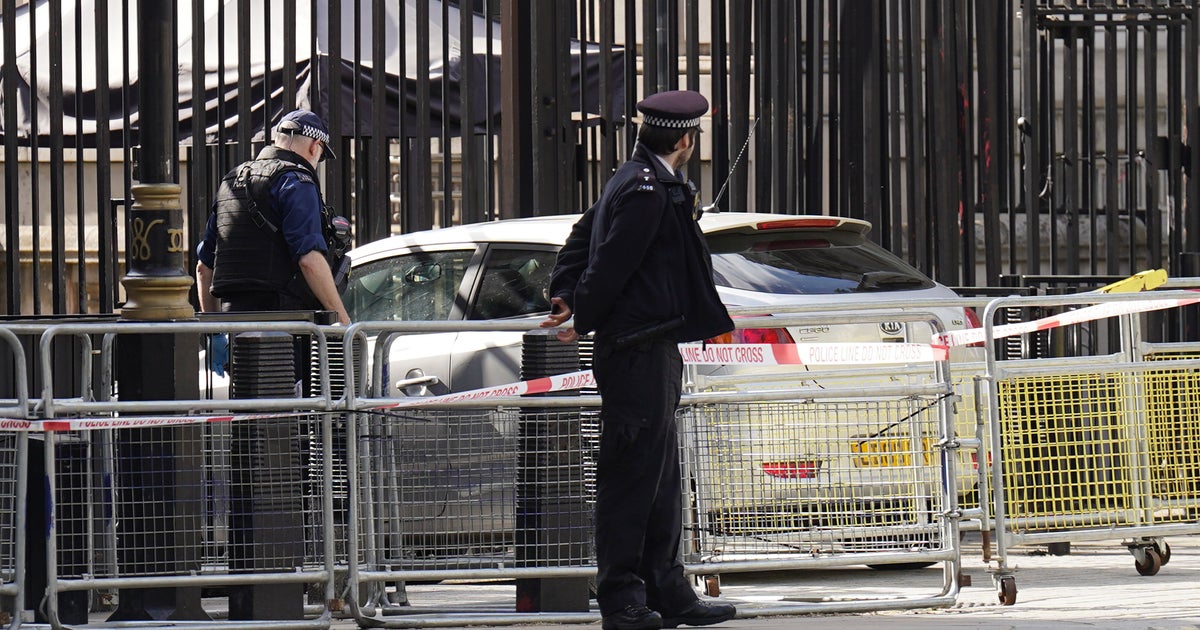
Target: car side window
x=413 y=287
x=514 y=282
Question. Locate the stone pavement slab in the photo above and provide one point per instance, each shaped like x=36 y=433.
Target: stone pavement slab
x=1095 y=586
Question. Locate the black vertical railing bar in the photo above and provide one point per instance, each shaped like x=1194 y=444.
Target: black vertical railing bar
x=200 y=158
x=988 y=34
x=1054 y=160
x=650 y=58
x=914 y=133
x=835 y=170
x=58 y=211
x=290 y=69
x=1191 y=223
x=594 y=24
x=421 y=197
x=1151 y=162
x=630 y=76
x=81 y=247
x=245 y=98
x=1086 y=170
x=35 y=180
x=267 y=44
x=1111 y=143
x=374 y=211
x=447 y=179
x=587 y=141
x=606 y=151
x=691 y=19
x=791 y=169
x=472 y=168
x=670 y=44
x=1030 y=110
x=874 y=124
x=359 y=165
x=778 y=24
x=489 y=143
x=12 y=197
x=967 y=65
x=1130 y=171
x=221 y=138
x=329 y=76
x=935 y=87
x=894 y=73
x=795 y=98
x=949 y=146
x=813 y=106
x=739 y=102
x=403 y=144
x=568 y=131
x=764 y=66
x=129 y=137
x=851 y=107
x=1070 y=150
x=719 y=76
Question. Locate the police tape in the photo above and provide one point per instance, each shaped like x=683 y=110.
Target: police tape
x=692 y=354
x=132 y=422
x=765 y=354
x=972 y=336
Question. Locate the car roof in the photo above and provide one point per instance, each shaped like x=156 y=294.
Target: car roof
x=553 y=230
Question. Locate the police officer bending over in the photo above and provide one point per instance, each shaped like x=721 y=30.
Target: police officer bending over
x=271 y=244
x=636 y=271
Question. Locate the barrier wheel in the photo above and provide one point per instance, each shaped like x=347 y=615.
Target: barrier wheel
x=1164 y=551
x=1007 y=592
x=1151 y=562
x=712 y=585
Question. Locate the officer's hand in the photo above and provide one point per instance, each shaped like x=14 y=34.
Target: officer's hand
x=559 y=313
x=567 y=335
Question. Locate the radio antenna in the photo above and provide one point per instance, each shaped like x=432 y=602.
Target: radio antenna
x=710 y=207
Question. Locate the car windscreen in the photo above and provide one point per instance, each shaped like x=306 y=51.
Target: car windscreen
x=809 y=263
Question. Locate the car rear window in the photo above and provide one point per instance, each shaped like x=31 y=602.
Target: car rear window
x=809 y=263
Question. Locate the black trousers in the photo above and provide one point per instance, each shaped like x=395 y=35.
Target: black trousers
x=638 y=497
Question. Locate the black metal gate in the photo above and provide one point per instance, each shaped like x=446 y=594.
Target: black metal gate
x=949 y=125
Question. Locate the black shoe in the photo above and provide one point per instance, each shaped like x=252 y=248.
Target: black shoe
x=635 y=617
x=700 y=613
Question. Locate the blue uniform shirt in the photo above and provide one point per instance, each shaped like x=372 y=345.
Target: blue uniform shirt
x=294 y=196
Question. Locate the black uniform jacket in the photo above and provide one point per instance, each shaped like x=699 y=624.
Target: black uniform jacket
x=637 y=260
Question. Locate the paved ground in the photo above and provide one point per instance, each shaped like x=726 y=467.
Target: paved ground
x=1096 y=586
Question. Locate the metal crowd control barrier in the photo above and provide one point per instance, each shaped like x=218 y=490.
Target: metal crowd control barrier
x=116 y=489
x=13 y=481
x=849 y=463
x=1098 y=447
x=435 y=483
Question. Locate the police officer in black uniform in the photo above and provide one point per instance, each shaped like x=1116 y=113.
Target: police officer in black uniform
x=268 y=241
x=636 y=271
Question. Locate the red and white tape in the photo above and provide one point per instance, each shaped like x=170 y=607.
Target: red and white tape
x=693 y=354
x=810 y=353
x=971 y=336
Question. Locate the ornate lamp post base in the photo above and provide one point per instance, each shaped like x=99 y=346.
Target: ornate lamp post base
x=156 y=287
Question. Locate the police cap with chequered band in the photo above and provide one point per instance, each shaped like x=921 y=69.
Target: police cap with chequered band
x=676 y=109
x=305 y=123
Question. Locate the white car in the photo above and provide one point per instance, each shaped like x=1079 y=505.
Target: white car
x=501 y=269
x=454 y=473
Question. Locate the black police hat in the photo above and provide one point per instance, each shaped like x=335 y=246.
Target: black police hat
x=305 y=123
x=677 y=109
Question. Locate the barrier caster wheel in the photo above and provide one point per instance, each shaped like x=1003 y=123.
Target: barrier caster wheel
x=1149 y=563
x=1164 y=551
x=712 y=585
x=1007 y=592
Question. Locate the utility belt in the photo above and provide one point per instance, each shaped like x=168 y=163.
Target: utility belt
x=647 y=334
